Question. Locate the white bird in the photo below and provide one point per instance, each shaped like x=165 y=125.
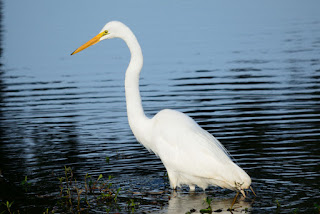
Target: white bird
x=190 y=154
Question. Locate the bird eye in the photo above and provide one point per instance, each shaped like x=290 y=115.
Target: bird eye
x=105 y=32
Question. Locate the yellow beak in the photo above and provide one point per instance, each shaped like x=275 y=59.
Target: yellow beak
x=92 y=41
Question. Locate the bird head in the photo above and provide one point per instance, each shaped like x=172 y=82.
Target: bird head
x=110 y=30
x=242 y=183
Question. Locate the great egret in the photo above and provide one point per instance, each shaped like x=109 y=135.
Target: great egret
x=190 y=154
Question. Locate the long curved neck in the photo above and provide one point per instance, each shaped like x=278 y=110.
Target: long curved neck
x=137 y=118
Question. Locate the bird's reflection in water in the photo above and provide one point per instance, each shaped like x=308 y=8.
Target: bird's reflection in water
x=194 y=202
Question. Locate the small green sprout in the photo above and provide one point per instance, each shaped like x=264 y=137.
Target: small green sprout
x=8 y=205
x=107 y=159
x=209 y=208
x=25 y=184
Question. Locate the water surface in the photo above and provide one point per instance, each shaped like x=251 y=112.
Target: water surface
x=254 y=83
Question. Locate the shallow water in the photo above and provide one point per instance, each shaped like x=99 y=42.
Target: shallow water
x=257 y=89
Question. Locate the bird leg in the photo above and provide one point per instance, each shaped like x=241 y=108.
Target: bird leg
x=242 y=192
x=234 y=200
x=253 y=191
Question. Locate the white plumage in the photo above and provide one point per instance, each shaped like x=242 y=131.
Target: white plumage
x=191 y=155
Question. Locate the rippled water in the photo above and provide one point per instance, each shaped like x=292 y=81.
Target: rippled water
x=259 y=95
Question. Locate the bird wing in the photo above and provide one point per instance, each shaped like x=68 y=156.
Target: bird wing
x=185 y=147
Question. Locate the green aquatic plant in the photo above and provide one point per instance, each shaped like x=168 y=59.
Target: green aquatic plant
x=132 y=205
x=86 y=194
x=8 y=205
x=47 y=211
x=76 y=197
x=209 y=208
x=25 y=184
x=116 y=195
x=107 y=159
x=61 y=185
x=191 y=211
x=78 y=191
x=278 y=206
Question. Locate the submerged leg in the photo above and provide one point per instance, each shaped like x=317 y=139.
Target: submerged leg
x=234 y=200
x=253 y=191
x=172 y=180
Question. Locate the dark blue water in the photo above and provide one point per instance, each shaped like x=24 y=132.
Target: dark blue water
x=251 y=80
